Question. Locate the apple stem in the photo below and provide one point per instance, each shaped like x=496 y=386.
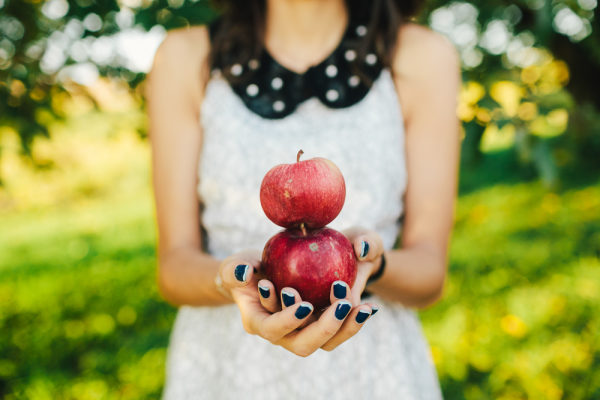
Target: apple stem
x=302 y=227
x=298 y=156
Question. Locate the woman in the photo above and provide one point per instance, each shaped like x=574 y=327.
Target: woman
x=352 y=81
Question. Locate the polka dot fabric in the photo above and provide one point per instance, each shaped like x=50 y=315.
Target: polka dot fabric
x=210 y=355
x=272 y=91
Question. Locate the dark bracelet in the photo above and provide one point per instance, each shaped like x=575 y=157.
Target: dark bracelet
x=379 y=272
x=375 y=276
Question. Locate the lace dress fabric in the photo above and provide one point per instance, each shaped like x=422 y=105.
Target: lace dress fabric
x=210 y=355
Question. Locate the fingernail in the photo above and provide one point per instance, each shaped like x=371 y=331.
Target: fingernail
x=364 y=249
x=288 y=299
x=339 y=289
x=362 y=316
x=374 y=309
x=264 y=292
x=342 y=309
x=303 y=311
x=241 y=271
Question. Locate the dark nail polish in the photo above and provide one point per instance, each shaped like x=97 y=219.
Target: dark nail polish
x=303 y=311
x=264 y=292
x=339 y=290
x=362 y=316
x=374 y=310
x=364 y=249
x=241 y=271
x=288 y=299
x=342 y=310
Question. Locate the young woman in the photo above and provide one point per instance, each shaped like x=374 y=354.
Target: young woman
x=352 y=81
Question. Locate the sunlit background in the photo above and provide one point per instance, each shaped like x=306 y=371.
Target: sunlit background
x=80 y=316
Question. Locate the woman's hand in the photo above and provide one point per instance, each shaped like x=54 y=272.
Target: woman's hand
x=368 y=248
x=278 y=322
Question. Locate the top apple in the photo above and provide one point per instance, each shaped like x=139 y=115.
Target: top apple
x=310 y=192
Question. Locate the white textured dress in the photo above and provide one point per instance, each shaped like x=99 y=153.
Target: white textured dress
x=210 y=355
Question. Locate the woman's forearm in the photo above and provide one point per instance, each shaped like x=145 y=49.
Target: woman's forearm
x=186 y=277
x=413 y=276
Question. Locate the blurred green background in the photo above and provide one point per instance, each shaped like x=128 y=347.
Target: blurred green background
x=80 y=316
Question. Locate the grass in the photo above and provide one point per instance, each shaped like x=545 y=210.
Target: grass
x=80 y=316
x=520 y=315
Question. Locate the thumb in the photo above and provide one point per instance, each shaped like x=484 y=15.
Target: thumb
x=362 y=275
x=367 y=246
x=238 y=270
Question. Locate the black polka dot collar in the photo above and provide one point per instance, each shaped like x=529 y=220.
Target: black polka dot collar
x=341 y=80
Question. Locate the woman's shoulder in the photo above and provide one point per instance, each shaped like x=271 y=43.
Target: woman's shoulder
x=182 y=59
x=425 y=64
x=420 y=50
x=190 y=40
x=190 y=44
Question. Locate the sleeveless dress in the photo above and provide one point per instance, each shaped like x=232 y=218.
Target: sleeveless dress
x=210 y=355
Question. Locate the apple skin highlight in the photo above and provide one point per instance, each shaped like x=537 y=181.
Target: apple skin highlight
x=309 y=262
x=310 y=192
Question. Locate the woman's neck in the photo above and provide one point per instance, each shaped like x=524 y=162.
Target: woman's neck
x=301 y=33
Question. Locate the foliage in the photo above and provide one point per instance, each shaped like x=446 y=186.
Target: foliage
x=80 y=313
x=80 y=316
x=519 y=316
x=99 y=152
x=41 y=38
x=519 y=113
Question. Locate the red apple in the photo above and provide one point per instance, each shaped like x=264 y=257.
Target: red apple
x=310 y=192
x=309 y=261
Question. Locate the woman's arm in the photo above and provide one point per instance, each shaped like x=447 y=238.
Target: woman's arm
x=174 y=90
x=427 y=75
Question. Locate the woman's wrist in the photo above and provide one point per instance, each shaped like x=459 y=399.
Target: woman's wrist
x=379 y=272
x=187 y=277
x=413 y=287
x=375 y=276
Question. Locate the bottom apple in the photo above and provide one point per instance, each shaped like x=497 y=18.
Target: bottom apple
x=309 y=261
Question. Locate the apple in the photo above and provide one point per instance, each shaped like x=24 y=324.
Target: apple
x=309 y=261
x=310 y=192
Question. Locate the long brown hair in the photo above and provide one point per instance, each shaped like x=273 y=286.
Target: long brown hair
x=239 y=35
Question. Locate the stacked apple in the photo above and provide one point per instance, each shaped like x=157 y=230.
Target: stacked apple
x=303 y=197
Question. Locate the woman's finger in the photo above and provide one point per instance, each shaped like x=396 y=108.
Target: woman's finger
x=279 y=324
x=374 y=308
x=350 y=327
x=268 y=296
x=237 y=271
x=270 y=326
x=368 y=246
x=364 y=270
x=315 y=335
x=289 y=297
x=339 y=291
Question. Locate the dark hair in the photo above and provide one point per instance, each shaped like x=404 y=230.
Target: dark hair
x=239 y=35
